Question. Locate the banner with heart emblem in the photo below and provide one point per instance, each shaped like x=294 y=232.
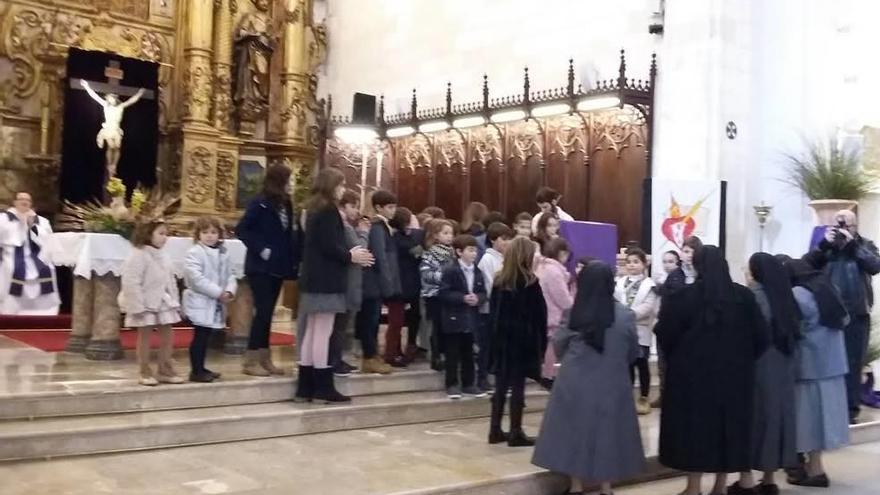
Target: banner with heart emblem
x=681 y=209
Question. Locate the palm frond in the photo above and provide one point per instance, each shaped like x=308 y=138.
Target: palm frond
x=827 y=171
x=92 y=216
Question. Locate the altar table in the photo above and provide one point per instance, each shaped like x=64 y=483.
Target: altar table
x=97 y=261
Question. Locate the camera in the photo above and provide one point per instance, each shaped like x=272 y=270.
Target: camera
x=839 y=238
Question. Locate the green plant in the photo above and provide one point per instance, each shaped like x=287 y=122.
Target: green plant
x=302 y=174
x=826 y=171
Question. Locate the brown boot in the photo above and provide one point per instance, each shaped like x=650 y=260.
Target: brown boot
x=265 y=356
x=251 y=365
x=167 y=373
x=375 y=365
x=143 y=358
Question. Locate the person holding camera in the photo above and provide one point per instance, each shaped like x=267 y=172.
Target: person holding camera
x=850 y=261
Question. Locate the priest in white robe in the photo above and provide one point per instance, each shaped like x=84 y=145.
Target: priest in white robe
x=27 y=281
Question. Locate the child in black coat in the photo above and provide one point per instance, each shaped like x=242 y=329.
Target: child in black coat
x=462 y=292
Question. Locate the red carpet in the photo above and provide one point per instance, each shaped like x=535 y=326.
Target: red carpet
x=10 y=322
x=56 y=340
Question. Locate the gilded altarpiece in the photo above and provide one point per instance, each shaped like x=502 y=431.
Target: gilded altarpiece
x=209 y=116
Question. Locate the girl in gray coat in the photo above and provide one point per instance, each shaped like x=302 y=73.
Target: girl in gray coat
x=590 y=430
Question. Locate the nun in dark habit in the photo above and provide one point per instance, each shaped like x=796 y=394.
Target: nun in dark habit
x=773 y=427
x=712 y=333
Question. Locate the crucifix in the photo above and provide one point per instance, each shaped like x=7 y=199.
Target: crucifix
x=109 y=137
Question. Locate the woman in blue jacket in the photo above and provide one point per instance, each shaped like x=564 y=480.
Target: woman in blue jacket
x=270 y=232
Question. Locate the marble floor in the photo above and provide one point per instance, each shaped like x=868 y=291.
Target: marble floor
x=390 y=460
x=372 y=461
x=394 y=460
x=853 y=471
x=25 y=369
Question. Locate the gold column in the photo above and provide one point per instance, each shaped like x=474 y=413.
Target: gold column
x=294 y=75
x=223 y=10
x=197 y=54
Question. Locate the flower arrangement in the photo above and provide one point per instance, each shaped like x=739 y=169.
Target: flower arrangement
x=117 y=218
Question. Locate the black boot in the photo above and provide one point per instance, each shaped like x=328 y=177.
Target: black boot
x=305 y=384
x=496 y=434
x=518 y=437
x=325 y=390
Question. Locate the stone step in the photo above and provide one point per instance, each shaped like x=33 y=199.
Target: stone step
x=108 y=397
x=114 y=397
x=74 y=435
x=440 y=458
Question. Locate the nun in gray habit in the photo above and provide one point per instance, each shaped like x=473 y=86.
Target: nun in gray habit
x=590 y=429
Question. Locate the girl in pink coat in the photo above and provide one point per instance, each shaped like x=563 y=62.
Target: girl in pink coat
x=554 y=280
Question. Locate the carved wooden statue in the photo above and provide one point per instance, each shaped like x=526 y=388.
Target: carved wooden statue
x=254 y=44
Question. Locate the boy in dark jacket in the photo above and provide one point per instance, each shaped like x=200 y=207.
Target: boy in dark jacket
x=462 y=292
x=381 y=282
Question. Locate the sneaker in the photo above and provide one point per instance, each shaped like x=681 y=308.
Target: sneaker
x=643 y=406
x=201 y=377
x=347 y=368
x=453 y=393
x=398 y=362
x=437 y=363
x=172 y=379
x=342 y=369
x=485 y=386
x=212 y=373
x=474 y=392
x=148 y=381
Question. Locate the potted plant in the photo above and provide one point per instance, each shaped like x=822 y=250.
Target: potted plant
x=831 y=177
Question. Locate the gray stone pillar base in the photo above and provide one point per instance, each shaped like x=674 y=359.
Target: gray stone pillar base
x=77 y=343
x=104 y=350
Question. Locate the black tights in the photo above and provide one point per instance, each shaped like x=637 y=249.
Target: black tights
x=198 y=348
x=644 y=370
x=266 y=289
x=514 y=380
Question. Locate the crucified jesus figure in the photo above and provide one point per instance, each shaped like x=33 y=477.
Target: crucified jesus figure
x=110 y=135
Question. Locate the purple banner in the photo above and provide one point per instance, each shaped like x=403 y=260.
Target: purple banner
x=818 y=235
x=595 y=239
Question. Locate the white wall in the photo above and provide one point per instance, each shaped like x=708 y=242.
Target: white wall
x=392 y=46
x=780 y=69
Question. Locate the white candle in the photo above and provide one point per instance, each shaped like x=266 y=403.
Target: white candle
x=365 y=156
x=379 y=156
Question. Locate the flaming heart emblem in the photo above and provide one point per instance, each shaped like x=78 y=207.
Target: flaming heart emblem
x=677 y=227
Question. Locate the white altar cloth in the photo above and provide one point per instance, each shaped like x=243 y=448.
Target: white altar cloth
x=89 y=253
